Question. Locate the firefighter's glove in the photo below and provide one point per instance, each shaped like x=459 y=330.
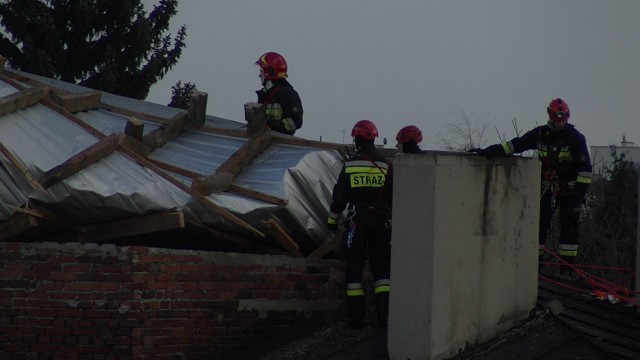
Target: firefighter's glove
x=489 y=152
x=580 y=192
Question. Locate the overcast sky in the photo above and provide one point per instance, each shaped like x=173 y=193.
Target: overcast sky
x=421 y=62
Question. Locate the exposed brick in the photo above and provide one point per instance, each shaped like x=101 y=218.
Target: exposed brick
x=91 y=298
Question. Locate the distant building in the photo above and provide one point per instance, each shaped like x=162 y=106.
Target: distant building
x=602 y=158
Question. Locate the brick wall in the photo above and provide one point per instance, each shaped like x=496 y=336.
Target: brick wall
x=105 y=301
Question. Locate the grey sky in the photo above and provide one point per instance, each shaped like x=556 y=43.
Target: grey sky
x=421 y=62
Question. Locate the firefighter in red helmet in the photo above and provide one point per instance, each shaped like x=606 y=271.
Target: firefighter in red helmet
x=364 y=187
x=283 y=108
x=566 y=175
x=408 y=139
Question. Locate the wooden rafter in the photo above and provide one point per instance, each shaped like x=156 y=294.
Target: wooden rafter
x=228 y=237
x=21 y=99
x=22 y=169
x=328 y=246
x=50 y=218
x=232 y=188
x=134 y=128
x=132 y=226
x=64 y=113
x=80 y=161
x=283 y=238
x=17 y=225
x=166 y=131
x=203 y=199
x=233 y=165
x=74 y=103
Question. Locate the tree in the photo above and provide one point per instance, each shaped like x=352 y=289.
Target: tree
x=465 y=134
x=610 y=224
x=109 y=45
x=181 y=94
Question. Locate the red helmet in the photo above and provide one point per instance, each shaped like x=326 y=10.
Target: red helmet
x=365 y=129
x=409 y=133
x=558 y=110
x=273 y=65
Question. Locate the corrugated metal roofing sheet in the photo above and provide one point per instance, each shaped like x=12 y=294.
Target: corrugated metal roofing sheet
x=116 y=186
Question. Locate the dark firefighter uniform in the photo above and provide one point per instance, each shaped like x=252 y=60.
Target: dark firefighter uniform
x=365 y=184
x=566 y=176
x=283 y=107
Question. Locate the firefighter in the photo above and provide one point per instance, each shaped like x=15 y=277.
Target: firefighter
x=566 y=175
x=408 y=139
x=364 y=187
x=283 y=108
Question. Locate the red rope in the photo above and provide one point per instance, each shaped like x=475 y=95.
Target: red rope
x=604 y=290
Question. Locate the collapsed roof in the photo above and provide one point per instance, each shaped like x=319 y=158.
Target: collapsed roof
x=83 y=165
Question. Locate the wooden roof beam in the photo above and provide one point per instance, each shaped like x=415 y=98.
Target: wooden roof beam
x=21 y=99
x=17 y=225
x=166 y=131
x=328 y=246
x=74 y=103
x=196 y=195
x=283 y=238
x=223 y=185
x=80 y=161
x=132 y=226
x=22 y=169
x=225 y=173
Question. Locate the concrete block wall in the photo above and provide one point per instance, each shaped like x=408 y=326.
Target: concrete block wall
x=79 y=301
x=464 y=251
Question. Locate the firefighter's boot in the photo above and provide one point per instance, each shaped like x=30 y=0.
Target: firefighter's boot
x=382 y=308
x=356 y=311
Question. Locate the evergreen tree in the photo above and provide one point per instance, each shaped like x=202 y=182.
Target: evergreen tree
x=109 y=45
x=181 y=94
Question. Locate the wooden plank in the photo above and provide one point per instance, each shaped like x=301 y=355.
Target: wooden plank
x=74 y=103
x=616 y=329
x=197 y=111
x=211 y=184
x=21 y=99
x=232 y=188
x=51 y=218
x=239 y=190
x=166 y=132
x=64 y=113
x=80 y=161
x=138 y=147
x=132 y=226
x=17 y=225
x=246 y=153
x=254 y=115
x=283 y=238
x=22 y=169
x=328 y=246
x=89 y=100
x=203 y=199
x=230 y=238
x=221 y=180
x=134 y=128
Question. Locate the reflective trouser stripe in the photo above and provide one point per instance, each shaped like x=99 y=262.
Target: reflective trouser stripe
x=382 y=285
x=355 y=289
x=568 y=250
